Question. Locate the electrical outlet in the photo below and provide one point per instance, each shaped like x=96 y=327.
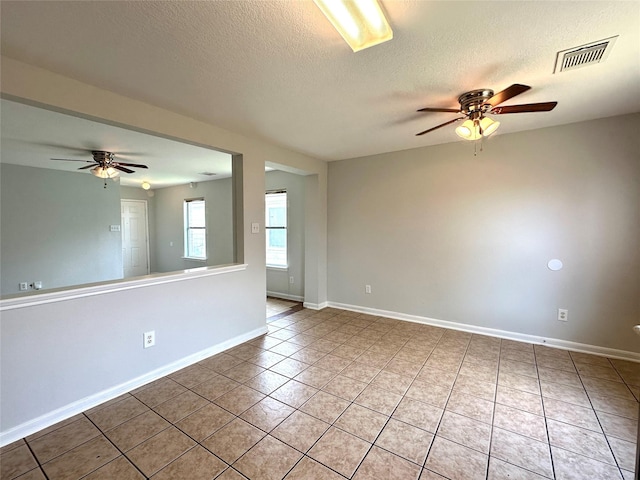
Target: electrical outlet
x=149 y=339
x=23 y=286
x=563 y=314
x=367 y=289
x=37 y=285
x=291 y=280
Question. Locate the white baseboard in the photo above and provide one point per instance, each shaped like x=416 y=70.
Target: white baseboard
x=79 y=406
x=285 y=296
x=521 y=337
x=316 y=306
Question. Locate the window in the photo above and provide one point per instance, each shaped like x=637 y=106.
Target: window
x=276 y=228
x=195 y=229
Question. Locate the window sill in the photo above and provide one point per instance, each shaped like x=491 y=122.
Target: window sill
x=193 y=259
x=275 y=267
x=70 y=293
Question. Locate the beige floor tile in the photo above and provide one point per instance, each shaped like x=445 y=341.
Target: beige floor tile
x=348 y=351
x=455 y=461
x=619 y=427
x=380 y=464
x=204 y=422
x=579 y=440
x=269 y=459
x=63 y=423
x=239 y=399
x=302 y=339
x=622 y=407
x=565 y=393
x=344 y=387
x=118 y=413
x=13 y=445
x=264 y=342
x=266 y=382
x=519 y=382
x=521 y=422
x=429 y=475
x=403 y=367
x=81 y=460
x=625 y=452
x=430 y=393
x=499 y=470
x=472 y=386
x=300 y=430
x=607 y=388
x=243 y=372
x=289 y=367
x=559 y=376
x=483 y=373
x=244 y=351
x=180 y=406
x=572 y=414
x=528 y=402
x=267 y=359
x=604 y=372
x=405 y=440
x=315 y=376
x=361 y=422
x=16 y=462
x=340 y=451
x=392 y=382
x=325 y=406
x=571 y=466
x=294 y=393
x=381 y=401
x=285 y=348
x=308 y=355
x=518 y=368
x=557 y=363
x=465 y=431
x=160 y=450
x=63 y=439
x=333 y=363
x=216 y=387
x=196 y=464
x=160 y=392
x=585 y=358
x=267 y=414
x=220 y=363
x=418 y=414
x=120 y=469
x=521 y=451
x=308 y=469
x=233 y=440
x=135 y=431
x=472 y=407
x=191 y=376
x=360 y=372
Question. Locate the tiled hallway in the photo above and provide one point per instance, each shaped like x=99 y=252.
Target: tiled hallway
x=332 y=395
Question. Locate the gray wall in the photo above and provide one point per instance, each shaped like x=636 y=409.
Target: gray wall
x=169 y=228
x=442 y=234
x=60 y=238
x=278 y=279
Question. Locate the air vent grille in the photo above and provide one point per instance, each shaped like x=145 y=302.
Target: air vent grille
x=584 y=55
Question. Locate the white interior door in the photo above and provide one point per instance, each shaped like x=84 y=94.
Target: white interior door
x=135 y=241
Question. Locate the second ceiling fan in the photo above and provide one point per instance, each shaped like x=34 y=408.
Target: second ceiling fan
x=476 y=104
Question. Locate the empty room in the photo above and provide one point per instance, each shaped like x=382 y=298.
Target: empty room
x=319 y=239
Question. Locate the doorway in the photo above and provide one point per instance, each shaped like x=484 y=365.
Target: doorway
x=135 y=238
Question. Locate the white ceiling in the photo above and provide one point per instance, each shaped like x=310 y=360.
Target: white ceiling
x=278 y=70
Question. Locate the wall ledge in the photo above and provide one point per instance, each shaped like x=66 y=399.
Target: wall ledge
x=493 y=332
x=71 y=293
x=79 y=406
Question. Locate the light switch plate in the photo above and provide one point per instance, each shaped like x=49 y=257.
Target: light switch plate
x=255 y=228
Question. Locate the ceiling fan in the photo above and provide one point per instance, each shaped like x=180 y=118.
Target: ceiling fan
x=104 y=164
x=477 y=104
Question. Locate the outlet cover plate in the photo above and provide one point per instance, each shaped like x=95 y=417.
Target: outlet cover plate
x=149 y=339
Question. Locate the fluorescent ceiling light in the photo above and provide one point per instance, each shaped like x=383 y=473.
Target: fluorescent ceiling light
x=361 y=23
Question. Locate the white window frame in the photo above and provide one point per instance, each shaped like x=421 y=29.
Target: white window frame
x=188 y=253
x=267 y=228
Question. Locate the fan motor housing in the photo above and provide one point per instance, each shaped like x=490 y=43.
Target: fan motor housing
x=474 y=100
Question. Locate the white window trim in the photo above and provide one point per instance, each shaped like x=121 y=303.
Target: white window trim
x=186 y=231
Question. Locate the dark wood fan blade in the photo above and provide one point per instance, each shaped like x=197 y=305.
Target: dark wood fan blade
x=507 y=93
x=137 y=165
x=122 y=169
x=72 y=160
x=527 y=107
x=447 y=110
x=439 y=126
x=89 y=166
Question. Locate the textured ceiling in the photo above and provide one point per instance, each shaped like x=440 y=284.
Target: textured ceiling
x=279 y=71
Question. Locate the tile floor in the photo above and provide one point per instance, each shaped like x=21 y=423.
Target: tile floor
x=278 y=307
x=331 y=395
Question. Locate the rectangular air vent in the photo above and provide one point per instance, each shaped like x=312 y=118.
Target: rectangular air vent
x=584 y=55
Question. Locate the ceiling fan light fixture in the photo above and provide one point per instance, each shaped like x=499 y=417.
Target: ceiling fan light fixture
x=469 y=130
x=488 y=126
x=145 y=185
x=102 y=172
x=361 y=23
